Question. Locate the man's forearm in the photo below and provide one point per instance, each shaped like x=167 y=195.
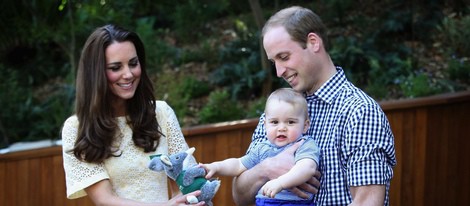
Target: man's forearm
x=368 y=195
x=246 y=186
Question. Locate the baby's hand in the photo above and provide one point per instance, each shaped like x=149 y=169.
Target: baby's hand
x=271 y=188
x=211 y=169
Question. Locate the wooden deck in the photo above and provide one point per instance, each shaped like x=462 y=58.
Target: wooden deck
x=432 y=137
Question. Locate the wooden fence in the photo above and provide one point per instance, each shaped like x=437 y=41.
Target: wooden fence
x=432 y=146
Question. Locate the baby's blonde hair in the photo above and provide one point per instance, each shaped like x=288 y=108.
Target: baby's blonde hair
x=290 y=96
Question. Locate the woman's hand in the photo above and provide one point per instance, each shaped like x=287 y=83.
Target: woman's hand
x=183 y=199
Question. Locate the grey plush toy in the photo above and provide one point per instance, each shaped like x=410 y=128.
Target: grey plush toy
x=188 y=179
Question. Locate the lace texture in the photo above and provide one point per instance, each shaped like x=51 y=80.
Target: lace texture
x=128 y=173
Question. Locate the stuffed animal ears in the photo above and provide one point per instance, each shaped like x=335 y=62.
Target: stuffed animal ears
x=156 y=163
x=189 y=161
x=190 y=151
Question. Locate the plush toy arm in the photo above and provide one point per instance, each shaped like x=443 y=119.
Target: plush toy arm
x=155 y=164
x=192 y=173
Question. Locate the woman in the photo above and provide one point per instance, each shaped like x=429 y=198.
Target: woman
x=117 y=126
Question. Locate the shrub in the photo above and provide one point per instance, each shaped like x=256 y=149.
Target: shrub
x=419 y=85
x=220 y=108
x=194 y=88
x=191 y=17
x=455 y=33
x=256 y=108
x=240 y=71
x=459 y=71
x=16 y=103
x=158 y=52
x=28 y=115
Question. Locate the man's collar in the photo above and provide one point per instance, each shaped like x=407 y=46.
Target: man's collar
x=331 y=88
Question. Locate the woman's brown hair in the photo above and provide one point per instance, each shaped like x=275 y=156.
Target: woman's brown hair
x=97 y=123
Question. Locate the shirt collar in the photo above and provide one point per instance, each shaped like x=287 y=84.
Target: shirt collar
x=331 y=88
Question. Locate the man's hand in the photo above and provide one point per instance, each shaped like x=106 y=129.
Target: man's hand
x=246 y=186
x=281 y=163
x=249 y=182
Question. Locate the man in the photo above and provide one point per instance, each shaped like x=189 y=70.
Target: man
x=352 y=131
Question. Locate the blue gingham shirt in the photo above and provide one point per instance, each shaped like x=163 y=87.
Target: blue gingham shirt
x=354 y=137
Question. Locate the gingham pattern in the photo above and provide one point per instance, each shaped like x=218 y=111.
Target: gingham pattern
x=354 y=137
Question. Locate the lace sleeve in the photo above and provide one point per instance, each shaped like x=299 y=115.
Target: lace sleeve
x=171 y=128
x=78 y=175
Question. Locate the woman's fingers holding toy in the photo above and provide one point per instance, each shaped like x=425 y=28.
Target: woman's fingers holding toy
x=191 y=198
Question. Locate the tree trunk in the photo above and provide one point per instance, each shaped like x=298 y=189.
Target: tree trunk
x=259 y=19
x=71 y=53
x=4 y=138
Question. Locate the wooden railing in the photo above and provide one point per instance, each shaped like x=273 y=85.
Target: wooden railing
x=432 y=146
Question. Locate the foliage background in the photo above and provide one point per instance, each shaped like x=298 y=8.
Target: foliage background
x=204 y=55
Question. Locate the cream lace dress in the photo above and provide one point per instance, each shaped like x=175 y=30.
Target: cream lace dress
x=128 y=173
